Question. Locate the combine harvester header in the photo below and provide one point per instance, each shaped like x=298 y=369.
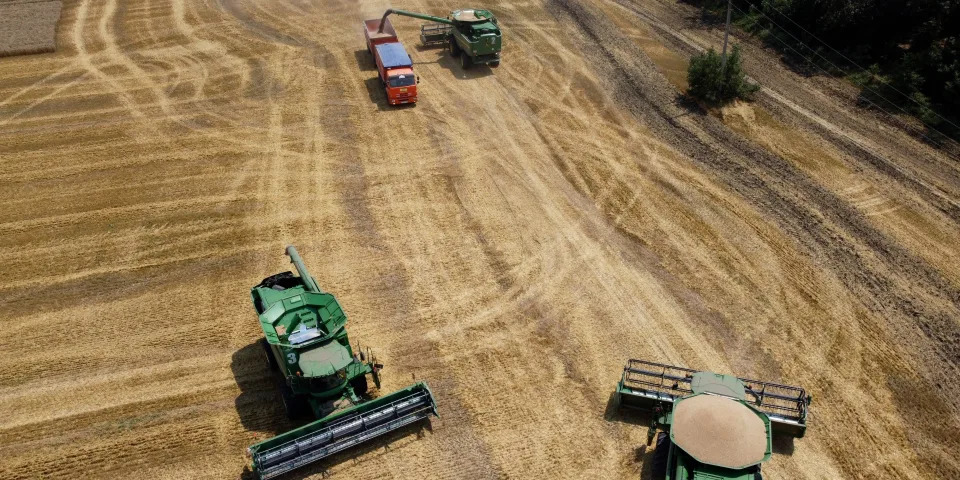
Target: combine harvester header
x=306 y=344
x=714 y=426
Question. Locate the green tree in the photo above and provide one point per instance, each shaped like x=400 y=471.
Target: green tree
x=715 y=85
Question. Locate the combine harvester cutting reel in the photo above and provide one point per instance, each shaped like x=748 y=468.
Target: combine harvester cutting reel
x=648 y=386
x=435 y=34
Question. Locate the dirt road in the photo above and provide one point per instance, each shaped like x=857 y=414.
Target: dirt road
x=512 y=239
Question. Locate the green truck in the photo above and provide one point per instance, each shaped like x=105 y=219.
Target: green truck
x=473 y=35
x=710 y=426
x=321 y=376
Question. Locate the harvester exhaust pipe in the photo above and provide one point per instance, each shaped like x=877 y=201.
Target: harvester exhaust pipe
x=308 y=281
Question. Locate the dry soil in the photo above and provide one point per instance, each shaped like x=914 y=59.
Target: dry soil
x=28 y=26
x=512 y=239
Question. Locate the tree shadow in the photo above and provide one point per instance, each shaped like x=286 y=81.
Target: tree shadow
x=689 y=104
x=260 y=409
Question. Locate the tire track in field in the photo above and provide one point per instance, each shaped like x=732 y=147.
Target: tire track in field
x=883 y=273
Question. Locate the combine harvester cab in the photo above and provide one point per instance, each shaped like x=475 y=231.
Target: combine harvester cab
x=713 y=426
x=394 y=66
x=306 y=343
x=472 y=34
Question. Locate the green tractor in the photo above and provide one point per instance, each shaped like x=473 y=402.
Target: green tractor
x=306 y=344
x=473 y=35
x=711 y=426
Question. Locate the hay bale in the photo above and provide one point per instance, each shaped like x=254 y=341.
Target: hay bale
x=28 y=26
x=719 y=431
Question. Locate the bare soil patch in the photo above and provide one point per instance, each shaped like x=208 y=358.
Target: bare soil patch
x=28 y=26
x=512 y=239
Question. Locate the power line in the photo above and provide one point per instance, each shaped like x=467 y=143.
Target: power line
x=726 y=35
x=824 y=58
x=808 y=32
x=938 y=144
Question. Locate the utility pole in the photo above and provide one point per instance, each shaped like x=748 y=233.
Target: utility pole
x=726 y=33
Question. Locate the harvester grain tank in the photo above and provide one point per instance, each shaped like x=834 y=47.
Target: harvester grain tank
x=473 y=35
x=306 y=344
x=711 y=426
x=393 y=64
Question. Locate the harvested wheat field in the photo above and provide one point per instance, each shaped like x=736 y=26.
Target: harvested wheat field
x=28 y=26
x=512 y=239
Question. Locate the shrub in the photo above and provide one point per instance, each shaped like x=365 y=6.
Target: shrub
x=715 y=86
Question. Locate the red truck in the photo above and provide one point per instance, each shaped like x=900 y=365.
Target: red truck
x=393 y=63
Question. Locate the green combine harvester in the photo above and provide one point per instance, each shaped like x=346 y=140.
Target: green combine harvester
x=711 y=426
x=305 y=341
x=472 y=34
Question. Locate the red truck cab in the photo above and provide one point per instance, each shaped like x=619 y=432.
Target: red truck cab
x=393 y=64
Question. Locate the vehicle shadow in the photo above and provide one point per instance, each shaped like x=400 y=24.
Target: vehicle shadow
x=377 y=95
x=453 y=65
x=364 y=60
x=259 y=405
x=426 y=48
x=783 y=445
x=642 y=454
x=260 y=409
x=613 y=413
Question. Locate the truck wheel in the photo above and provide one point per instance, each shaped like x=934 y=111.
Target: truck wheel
x=268 y=355
x=658 y=464
x=454 y=48
x=465 y=60
x=359 y=385
x=296 y=407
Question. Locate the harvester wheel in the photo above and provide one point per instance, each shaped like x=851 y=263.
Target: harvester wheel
x=495 y=64
x=454 y=48
x=465 y=60
x=659 y=462
x=295 y=406
x=359 y=385
x=268 y=355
